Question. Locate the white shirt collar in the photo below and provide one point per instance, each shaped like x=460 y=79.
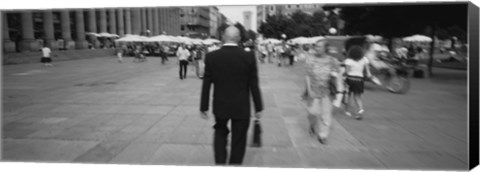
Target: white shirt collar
x=230 y=44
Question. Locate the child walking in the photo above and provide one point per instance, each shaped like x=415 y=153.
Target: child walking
x=356 y=68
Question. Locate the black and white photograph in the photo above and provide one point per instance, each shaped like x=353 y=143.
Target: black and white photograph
x=325 y=85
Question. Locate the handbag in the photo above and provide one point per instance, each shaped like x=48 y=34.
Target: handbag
x=257 y=133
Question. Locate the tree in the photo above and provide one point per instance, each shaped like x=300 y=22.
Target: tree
x=276 y=25
x=320 y=23
x=403 y=20
x=251 y=35
x=243 y=32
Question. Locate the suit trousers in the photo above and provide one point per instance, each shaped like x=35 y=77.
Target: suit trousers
x=183 y=69
x=238 y=140
x=320 y=108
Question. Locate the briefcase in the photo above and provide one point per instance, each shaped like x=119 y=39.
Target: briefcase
x=257 y=133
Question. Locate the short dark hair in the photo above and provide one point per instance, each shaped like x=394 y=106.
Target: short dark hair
x=355 y=52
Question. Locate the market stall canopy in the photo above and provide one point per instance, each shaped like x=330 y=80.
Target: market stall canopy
x=197 y=41
x=304 y=40
x=299 y=40
x=161 y=38
x=182 y=39
x=132 y=38
x=93 y=34
x=103 y=34
x=373 y=37
x=210 y=41
x=312 y=40
x=271 y=40
x=417 y=38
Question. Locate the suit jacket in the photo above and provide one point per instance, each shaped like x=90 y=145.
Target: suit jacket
x=233 y=73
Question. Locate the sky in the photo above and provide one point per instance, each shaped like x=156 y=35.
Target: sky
x=235 y=14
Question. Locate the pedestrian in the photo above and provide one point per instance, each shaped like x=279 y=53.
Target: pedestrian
x=47 y=53
x=289 y=54
x=183 y=55
x=163 y=53
x=234 y=75
x=270 y=51
x=356 y=67
x=120 y=54
x=321 y=68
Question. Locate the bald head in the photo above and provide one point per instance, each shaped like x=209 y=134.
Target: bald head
x=231 y=35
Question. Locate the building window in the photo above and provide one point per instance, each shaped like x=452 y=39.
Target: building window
x=271 y=8
x=289 y=6
x=182 y=27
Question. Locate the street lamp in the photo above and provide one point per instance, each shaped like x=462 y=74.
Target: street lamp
x=148 y=32
x=332 y=31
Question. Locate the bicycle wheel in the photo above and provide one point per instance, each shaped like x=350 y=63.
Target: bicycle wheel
x=399 y=85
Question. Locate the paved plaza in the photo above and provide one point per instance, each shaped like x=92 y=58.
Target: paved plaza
x=101 y=111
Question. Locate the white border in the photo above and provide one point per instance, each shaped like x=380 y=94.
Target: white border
x=47 y=4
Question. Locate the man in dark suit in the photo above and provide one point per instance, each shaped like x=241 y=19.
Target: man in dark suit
x=234 y=75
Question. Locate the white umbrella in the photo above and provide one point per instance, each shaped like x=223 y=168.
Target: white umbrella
x=160 y=38
x=371 y=37
x=92 y=33
x=185 y=40
x=312 y=40
x=132 y=38
x=210 y=41
x=299 y=40
x=273 y=41
x=197 y=41
x=115 y=35
x=417 y=38
x=104 y=34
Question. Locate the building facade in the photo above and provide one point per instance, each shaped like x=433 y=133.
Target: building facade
x=214 y=18
x=306 y=8
x=28 y=30
x=247 y=20
x=285 y=9
x=196 y=21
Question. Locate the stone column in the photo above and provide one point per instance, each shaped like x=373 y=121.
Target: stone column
x=144 y=20
x=150 y=21
x=8 y=45
x=162 y=20
x=66 y=32
x=92 y=27
x=168 y=20
x=103 y=21
x=48 y=30
x=112 y=21
x=128 y=22
x=155 y=22
x=136 y=21
x=80 y=43
x=120 y=21
x=103 y=26
x=28 y=42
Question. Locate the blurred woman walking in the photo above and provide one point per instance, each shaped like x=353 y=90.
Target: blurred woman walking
x=321 y=69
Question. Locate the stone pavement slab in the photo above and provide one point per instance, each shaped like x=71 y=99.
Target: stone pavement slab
x=136 y=153
x=334 y=158
x=101 y=111
x=44 y=150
